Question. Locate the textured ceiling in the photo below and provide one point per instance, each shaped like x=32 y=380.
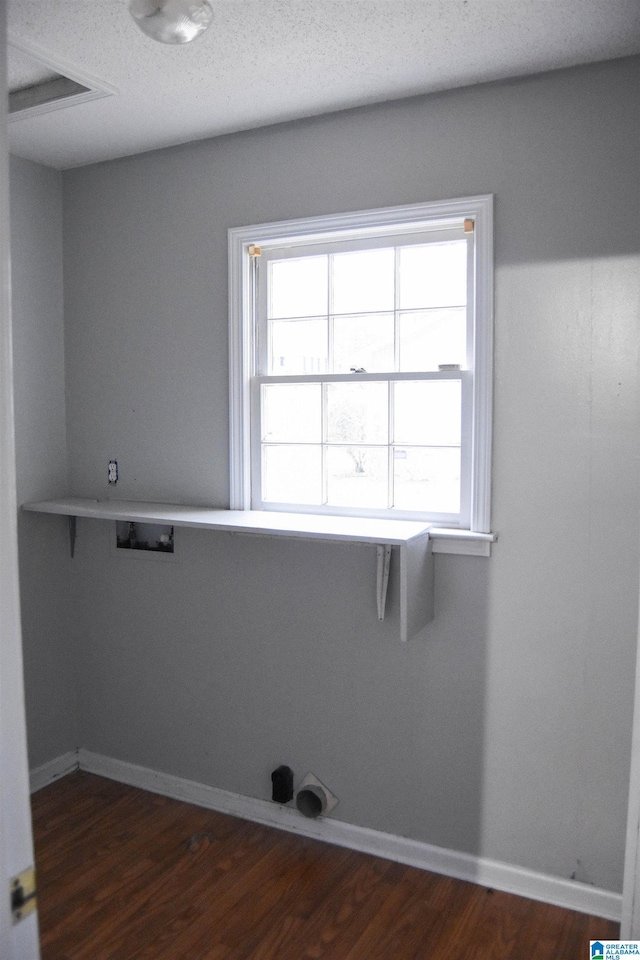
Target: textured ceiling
x=23 y=71
x=274 y=60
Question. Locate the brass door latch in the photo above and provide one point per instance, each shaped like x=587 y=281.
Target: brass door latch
x=23 y=894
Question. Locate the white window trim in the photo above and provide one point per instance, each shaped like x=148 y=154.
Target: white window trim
x=314 y=229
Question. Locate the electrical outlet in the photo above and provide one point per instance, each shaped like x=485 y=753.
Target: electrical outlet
x=113 y=471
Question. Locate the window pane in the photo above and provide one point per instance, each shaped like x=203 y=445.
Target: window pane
x=297 y=346
x=292 y=474
x=427 y=479
x=298 y=288
x=363 y=281
x=432 y=337
x=357 y=413
x=427 y=412
x=363 y=342
x=433 y=275
x=357 y=476
x=292 y=413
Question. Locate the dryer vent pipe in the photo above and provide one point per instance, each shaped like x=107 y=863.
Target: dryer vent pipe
x=313 y=799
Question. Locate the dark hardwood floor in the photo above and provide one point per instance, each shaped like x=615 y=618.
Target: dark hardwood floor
x=127 y=875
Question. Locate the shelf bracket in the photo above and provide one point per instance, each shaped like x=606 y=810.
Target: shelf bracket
x=72 y=535
x=382 y=579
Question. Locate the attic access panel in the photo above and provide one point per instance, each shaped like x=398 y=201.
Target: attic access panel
x=38 y=84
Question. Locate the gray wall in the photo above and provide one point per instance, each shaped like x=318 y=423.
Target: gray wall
x=504 y=729
x=41 y=456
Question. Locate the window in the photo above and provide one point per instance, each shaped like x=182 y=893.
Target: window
x=361 y=357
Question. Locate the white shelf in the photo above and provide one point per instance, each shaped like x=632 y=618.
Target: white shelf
x=306 y=526
x=410 y=539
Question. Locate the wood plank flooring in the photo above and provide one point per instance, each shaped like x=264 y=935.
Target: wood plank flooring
x=127 y=875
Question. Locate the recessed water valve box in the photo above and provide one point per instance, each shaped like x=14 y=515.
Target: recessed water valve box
x=151 y=537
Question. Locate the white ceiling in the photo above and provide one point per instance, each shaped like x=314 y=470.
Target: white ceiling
x=274 y=60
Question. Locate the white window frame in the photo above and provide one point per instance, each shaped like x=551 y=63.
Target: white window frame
x=370 y=223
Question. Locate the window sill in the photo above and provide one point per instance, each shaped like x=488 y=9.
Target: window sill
x=462 y=542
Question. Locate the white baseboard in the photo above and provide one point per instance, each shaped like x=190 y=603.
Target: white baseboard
x=450 y=863
x=42 y=776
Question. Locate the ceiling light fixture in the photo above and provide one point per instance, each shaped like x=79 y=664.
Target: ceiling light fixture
x=171 y=21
